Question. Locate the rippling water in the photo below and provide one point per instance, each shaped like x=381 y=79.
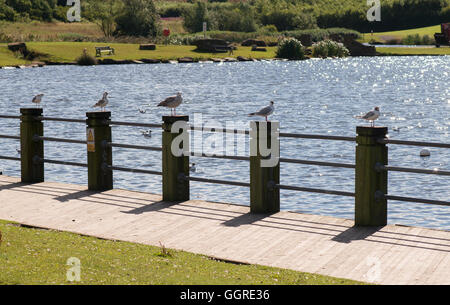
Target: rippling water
x=314 y=96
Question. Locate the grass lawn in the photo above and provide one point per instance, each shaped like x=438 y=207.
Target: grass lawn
x=69 y=51
x=415 y=51
x=385 y=36
x=35 y=256
x=7 y=58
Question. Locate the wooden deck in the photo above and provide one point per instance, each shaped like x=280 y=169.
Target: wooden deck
x=310 y=243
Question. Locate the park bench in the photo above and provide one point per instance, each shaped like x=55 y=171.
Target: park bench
x=100 y=50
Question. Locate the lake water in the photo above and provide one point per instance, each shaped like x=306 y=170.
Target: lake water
x=314 y=96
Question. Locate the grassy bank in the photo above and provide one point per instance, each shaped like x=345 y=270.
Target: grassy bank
x=384 y=37
x=35 y=256
x=414 y=51
x=68 y=51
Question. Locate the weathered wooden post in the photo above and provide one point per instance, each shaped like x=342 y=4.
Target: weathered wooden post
x=370 y=207
x=31 y=149
x=175 y=159
x=98 y=134
x=264 y=167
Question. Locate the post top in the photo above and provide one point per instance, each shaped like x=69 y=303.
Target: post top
x=99 y=115
x=31 y=111
x=275 y=123
x=371 y=131
x=172 y=119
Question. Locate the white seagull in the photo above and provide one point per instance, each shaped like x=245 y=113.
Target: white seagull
x=147 y=133
x=264 y=112
x=37 y=99
x=371 y=116
x=103 y=102
x=172 y=102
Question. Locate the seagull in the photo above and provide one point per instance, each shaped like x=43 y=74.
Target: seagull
x=146 y=133
x=371 y=116
x=265 y=112
x=103 y=102
x=172 y=102
x=142 y=110
x=37 y=99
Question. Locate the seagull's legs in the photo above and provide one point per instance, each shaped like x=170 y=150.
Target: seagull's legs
x=266 y=118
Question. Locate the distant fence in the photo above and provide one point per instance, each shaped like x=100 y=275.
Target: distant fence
x=371 y=166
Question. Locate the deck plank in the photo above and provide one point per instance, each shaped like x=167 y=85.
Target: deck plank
x=311 y=243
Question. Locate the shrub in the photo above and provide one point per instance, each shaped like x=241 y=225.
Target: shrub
x=329 y=48
x=86 y=60
x=416 y=39
x=290 y=48
x=268 y=29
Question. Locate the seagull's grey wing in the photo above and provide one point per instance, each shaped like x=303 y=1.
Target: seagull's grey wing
x=167 y=101
x=368 y=115
x=265 y=111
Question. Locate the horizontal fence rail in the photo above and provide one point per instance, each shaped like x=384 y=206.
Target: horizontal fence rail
x=316 y=137
x=314 y=190
x=264 y=181
x=9 y=137
x=50 y=139
x=133 y=170
x=216 y=181
x=417 y=200
x=414 y=143
x=10 y=158
x=4 y=116
x=68 y=163
x=68 y=120
x=412 y=170
x=132 y=124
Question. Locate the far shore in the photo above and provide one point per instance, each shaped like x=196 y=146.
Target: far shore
x=65 y=53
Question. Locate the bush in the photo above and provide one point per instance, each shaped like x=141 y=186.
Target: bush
x=290 y=48
x=86 y=60
x=329 y=48
x=286 y=20
x=195 y=16
x=416 y=39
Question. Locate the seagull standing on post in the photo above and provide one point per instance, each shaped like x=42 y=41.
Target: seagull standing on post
x=371 y=116
x=103 y=102
x=172 y=102
x=264 y=112
x=37 y=99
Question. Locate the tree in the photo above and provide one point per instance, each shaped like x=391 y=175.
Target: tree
x=195 y=16
x=138 y=18
x=104 y=14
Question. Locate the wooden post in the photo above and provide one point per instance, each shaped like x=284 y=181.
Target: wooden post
x=264 y=195
x=370 y=208
x=174 y=168
x=98 y=133
x=31 y=149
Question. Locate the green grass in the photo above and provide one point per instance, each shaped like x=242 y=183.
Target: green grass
x=386 y=36
x=69 y=51
x=35 y=256
x=414 y=51
x=7 y=58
